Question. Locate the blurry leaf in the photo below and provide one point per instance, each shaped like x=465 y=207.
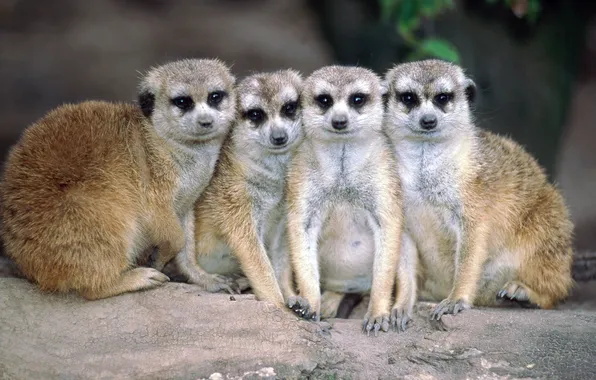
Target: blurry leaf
x=434 y=7
x=388 y=8
x=491 y=1
x=534 y=9
x=439 y=49
x=408 y=16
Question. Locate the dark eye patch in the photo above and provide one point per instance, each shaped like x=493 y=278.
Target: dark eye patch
x=185 y=103
x=443 y=98
x=215 y=97
x=358 y=99
x=408 y=98
x=289 y=109
x=325 y=101
x=256 y=115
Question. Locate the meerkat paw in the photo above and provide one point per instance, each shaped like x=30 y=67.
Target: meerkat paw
x=301 y=307
x=131 y=281
x=375 y=323
x=515 y=291
x=214 y=283
x=242 y=283
x=400 y=318
x=449 y=306
x=330 y=302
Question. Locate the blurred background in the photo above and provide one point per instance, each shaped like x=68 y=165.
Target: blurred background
x=534 y=61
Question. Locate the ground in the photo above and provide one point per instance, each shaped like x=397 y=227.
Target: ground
x=177 y=332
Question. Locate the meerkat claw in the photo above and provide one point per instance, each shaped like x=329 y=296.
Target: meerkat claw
x=448 y=306
x=375 y=325
x=399 y=320
x=301 y=307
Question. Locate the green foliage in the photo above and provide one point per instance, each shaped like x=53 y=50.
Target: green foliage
x=408 y=16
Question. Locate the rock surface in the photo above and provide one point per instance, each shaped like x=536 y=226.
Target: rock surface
x=176 y=332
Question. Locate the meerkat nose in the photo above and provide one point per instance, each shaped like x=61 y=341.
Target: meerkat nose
x=279 y=138
x=206 y=124
x=339 y=123
x=428 y=122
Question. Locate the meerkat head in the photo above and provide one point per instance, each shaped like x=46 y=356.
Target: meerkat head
x=189 y=100
x=269 y=111
x=342 y=102
x=428 y=99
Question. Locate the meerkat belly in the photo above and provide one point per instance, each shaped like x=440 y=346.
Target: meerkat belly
x=346 y=251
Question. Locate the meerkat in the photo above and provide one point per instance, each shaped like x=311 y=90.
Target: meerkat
x=239 y=219
x=91 y=185
x=482 y=221
x=344 y=170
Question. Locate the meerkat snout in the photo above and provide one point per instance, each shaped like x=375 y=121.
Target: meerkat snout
x=185 y=111
x=278 y=137
x=428 y=122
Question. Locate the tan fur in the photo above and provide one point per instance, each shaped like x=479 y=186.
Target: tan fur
x=481 y=217
x=90 y=186
x=240 y=214
x=337 y=175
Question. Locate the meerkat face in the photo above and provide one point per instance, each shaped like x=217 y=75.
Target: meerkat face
x=269 y=111
x=342 y=102
x=428 y=99
x=189 y=100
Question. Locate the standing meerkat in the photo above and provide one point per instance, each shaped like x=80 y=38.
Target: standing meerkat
x=344 y=170
x=90 y=186
x=482 y=220
x=240 y=216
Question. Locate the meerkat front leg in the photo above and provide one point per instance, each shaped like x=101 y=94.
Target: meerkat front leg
x=469 y=258
x=187 y=262
x=386 y=228
x=406 y=286
x=253 y=259
x=304 y=228
x=280 y=259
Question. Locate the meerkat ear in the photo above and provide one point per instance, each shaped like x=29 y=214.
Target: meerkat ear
x=147 y=102
x=470 y=90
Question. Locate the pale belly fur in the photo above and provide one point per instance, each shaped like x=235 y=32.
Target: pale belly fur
x=346 y=251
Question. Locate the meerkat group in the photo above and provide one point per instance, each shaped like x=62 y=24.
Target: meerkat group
x=340 y=182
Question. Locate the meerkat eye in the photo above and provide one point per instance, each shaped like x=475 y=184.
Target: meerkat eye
x=185 y=103
x=215 y=97
x=289 y=109
x=255 y=115
x=408 y=98
x=324 y=101
x=443 y=98
x=358 y=100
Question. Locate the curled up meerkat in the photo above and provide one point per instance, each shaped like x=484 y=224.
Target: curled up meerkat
x=344 y=169
x=482 y=220
x=90 y=186
x=240 y=218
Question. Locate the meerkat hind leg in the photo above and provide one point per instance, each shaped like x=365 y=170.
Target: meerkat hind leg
x=330 y=302
x=130 y=281
x=518 y=292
